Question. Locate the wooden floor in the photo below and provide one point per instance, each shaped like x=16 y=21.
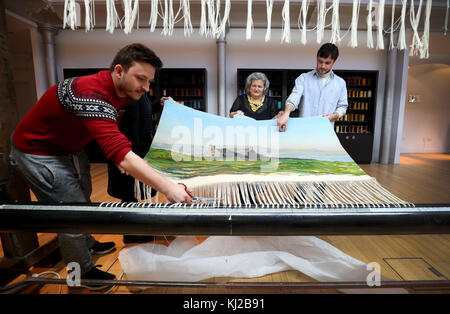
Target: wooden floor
x=419 y=178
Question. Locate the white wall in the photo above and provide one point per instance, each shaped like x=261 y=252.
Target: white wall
x=77 y=49
x=426 y=126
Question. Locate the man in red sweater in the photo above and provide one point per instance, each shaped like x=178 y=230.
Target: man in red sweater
x=48 y=143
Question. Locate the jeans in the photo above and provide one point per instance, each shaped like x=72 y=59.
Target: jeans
x=54 y=179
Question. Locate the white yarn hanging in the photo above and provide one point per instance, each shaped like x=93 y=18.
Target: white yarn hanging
x=249 y=29
x=203 y=25
x=446 y=18
x=354 y=25
x=168 y=20
x=212 y=18
x=226 y=14
x=130 y=13
x=321 y=4
x=70 y=14
x=286 y=33
x=416 y=43
x=153 y=15
x=391 y=37
x=269 y=7
x=302 y=20
x=380 y=22
x=184 y=4
x=369 y=25
x=424 y=54
x=89 y=19
x=112 y=18
x=401 y=33
x=335 y=26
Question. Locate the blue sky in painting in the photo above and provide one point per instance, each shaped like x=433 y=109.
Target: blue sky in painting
x=305 y=138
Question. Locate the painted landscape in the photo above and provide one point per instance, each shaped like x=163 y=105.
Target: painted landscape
x=163 y=161
x=190 y=143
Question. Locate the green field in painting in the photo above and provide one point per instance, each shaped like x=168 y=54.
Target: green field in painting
x=162 y=160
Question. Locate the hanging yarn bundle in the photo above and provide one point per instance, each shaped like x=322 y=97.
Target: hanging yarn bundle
x=214 y=21
x=335 y=25
x=302 y=20
x=269 y=7
x=112 y=18
x=286 y=33
x=89 y=19
x=380 y=22
x=131 y=12
x=226 y=13
x=446 y=18
x=210 y=23
x=212 y=18
x=70 y=14
x=426 y=32
x=321 y=5
x=391 y=33
x=401 y=33
x=416 y=43
x=168 y=20
x=249 y=28
x=203 y=30
x=185 y=7
x=354 y=24
x=369 y=25
x=153 y=15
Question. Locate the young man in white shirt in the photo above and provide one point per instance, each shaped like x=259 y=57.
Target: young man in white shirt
x=319 y=92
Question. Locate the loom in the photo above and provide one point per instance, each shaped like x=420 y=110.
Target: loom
x=204 y=219
x=324 y=194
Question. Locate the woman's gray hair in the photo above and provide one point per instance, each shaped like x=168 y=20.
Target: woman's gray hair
x=256 y=76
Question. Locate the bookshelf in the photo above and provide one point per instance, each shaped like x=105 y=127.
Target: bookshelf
x=355 y=129
x=184 y=85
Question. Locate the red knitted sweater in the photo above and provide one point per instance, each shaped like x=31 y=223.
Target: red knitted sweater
x=71 y=114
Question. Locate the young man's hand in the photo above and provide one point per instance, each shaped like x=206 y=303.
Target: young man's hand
x=332 y=117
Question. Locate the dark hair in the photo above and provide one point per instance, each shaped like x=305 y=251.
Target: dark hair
x=135 y=52
x=327 y=50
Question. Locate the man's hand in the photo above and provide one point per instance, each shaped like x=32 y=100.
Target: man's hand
x=282 y=120
x=279 y=114
x=122 y=170
x=163 y=99
x=178 y=194
x=237 y=112
x=332 y=117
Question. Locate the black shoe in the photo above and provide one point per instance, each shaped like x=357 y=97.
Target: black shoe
x=102 y=248
x=96 y=274
x=138 y=238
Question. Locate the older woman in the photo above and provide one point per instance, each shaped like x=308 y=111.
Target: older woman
x=254 y=103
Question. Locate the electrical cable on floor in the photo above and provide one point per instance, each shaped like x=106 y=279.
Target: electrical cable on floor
x=49 y=272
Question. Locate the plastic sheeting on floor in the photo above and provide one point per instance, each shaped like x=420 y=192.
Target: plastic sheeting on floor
x=185 y=259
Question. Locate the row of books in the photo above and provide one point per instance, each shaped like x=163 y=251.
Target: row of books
x=352 y=93
x=354 y=117
x=358 y=105
x=181 y=91
x=358 y=129
x=357 y=81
